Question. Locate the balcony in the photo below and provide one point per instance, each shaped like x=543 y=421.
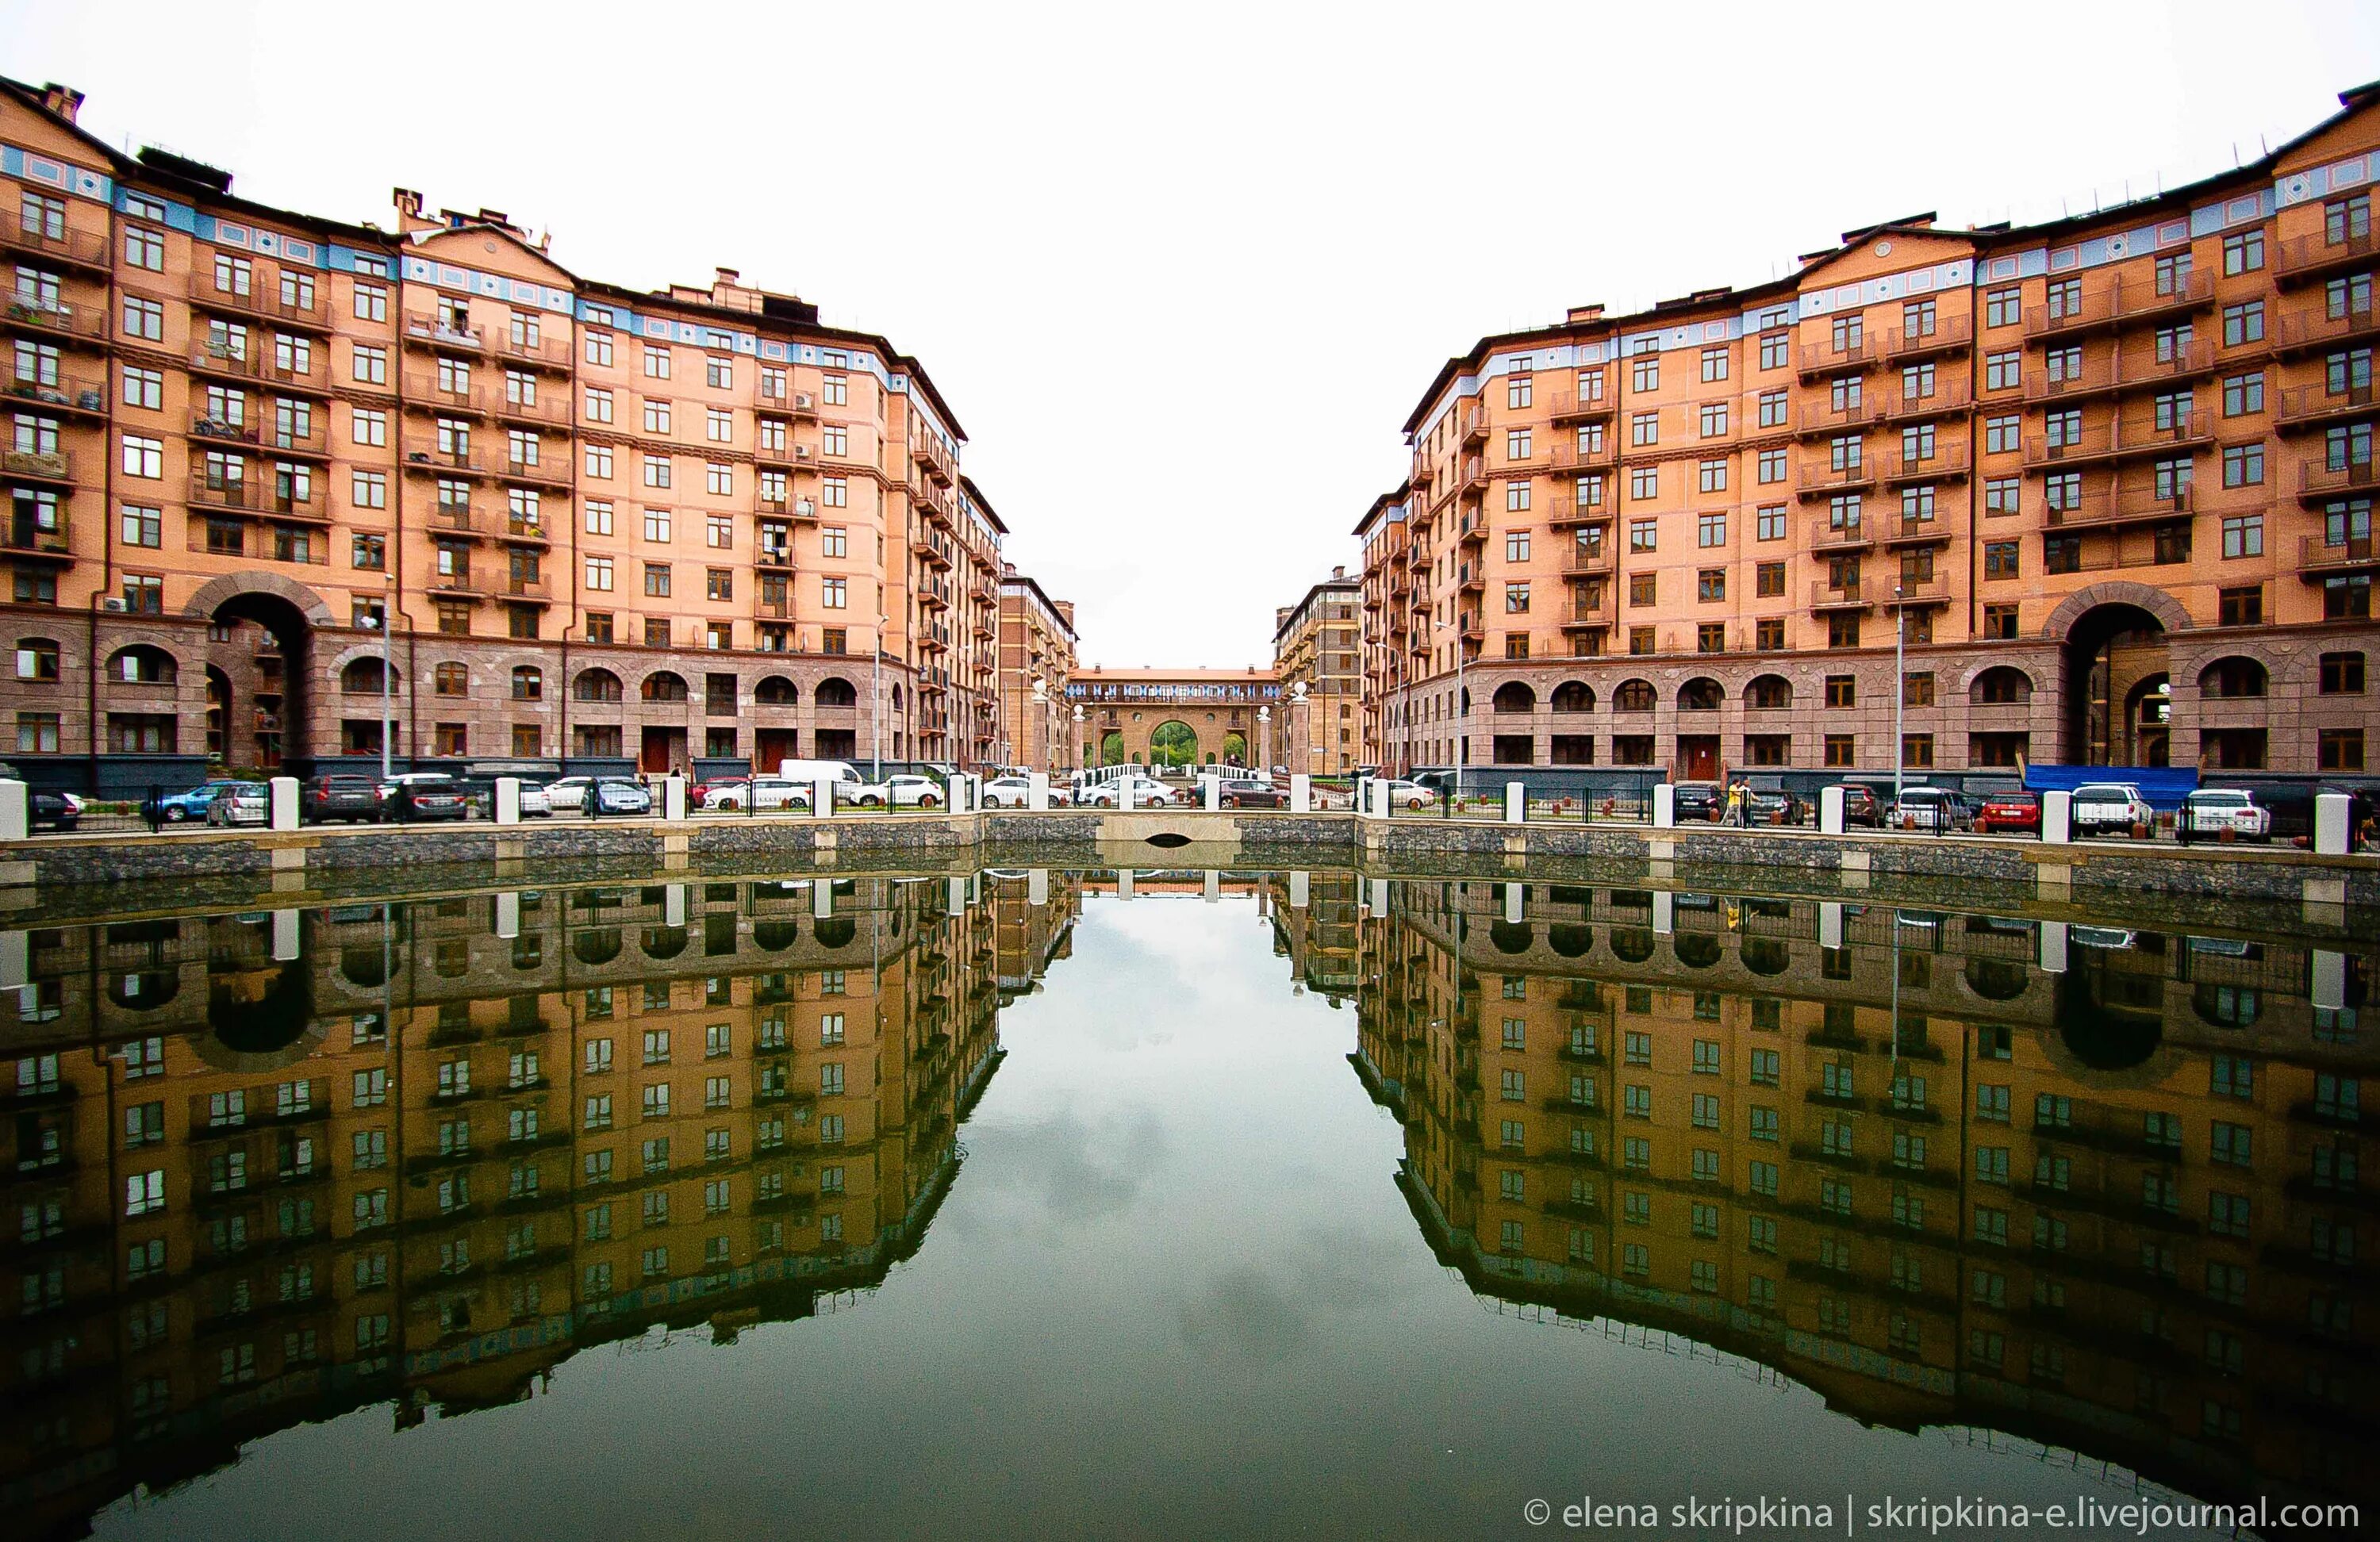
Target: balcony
x=2121 y=439
x=1423 y=471
x=1564 y=509
x=935 y=457
x=1826 y=482
x=1587 y=559
x=222 y=363
x=773 y=607
x=76 y=324
x=432 y=332
x=81 y=395
x=528 y=589
x=2115 y=372
x=1950 y=396
x=534 y=349
x=1902 y=590
x=931 y=547
x=1816 y=419
x=2121 y=303
x=1473 y=530
x=552 y=412
x=934 y=594
x=1471 y=576
x=313 y=442
x=78 y=248
x=1568 y=408
x=29 y=534
x=1474 y=422
x=1909 y=530
x=547 y=473
x=1950 y=334
x=773 y=558
x=37 y=465
x=1825 y=359
x=309 y=314
x=1569 y=457
x=2314 y=331
x=2131 y=501
x=1828 y=536
x=459 y=519
x=2312 y=257
x=2317 y=555
x=1854 y=594
x=1947 y=464
x=1584 y=613
x=269 y=495
x=424 y=455
x=455 y=582
x=2311 y=407
x=525 y=532
x=2320 y=480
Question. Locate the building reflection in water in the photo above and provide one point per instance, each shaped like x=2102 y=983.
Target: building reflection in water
x=263 y=1168
x=2096 y=1189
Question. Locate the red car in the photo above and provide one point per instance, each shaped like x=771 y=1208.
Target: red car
x=2008 y=811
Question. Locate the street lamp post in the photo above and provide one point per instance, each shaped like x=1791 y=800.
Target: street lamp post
x=1078 y=733
x=1264 y=736
x=876 y=704
x=1041 y=712
x=1900 y=690
x=387 y=704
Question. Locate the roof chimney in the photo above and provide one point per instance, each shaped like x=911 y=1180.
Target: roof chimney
x=727 y=276
x=1585 y=313
x=1337 y=571
x=62 y=102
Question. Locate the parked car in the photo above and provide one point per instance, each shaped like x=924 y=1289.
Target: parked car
x=758 y=793
x=48 y=810
x=1146 y=793
x=355 y=799
x=1771 y=802
x=1938 y=810
x=533 y=801
x=617 y=794
x=2207 y=813
x=1697 y=800
x=1011 y=792
x=2001 y=812
x=189 y=803
x=2100 y=808
x=1251 y=794
x=240 y=803
x=916 y=791
x=1404 y=794
x=427 y=796
x=567 y=795
x=2109 y=938
x=1860 y=805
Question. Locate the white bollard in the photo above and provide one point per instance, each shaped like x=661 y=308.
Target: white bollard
x=821 y=898
x=1212 y=786
x=1516 y=901
x=1380 y=897
x=2329 y=991
x=1037 y=887
x=954 y=897
x=1124 y=884
x=285 y=936
x=1665 y=912
x=1831 y=811
x=2056 y=818
x=284 y=802
x=954 y=792
x=16 y=812
x=2053 y=946
x=508 y=914
x=1830 y=924
x=2330 y=816
x=1210 y=887
x=16 y=960
x=674 y=798
x=1300 y=882
x=1665 y=806
x=674 y=904
x=822 y=799
x=1037 y=792
x=1516 y=802
x=1379 y=795
x=1123 y=795
x=508 y=800
x=1301 y=793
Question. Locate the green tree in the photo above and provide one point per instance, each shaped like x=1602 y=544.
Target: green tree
x=1236 y=749
x=1172 y=745
x=1112 y=750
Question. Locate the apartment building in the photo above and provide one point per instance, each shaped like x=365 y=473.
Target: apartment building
x=1037 y=659
x=273 y=475
x=271 y=1169
x=1317 y=657
x=1177 y=717
x=2099 y=1206
x=2107 y=481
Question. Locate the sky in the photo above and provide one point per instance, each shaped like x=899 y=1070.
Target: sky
x=1182 y=272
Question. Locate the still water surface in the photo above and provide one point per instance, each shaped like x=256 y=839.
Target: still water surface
x=1283 y=1204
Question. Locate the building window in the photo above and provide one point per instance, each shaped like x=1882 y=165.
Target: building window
x=2242 y=607
x=2000 y=623
x=1841 y=752
x=2243 y=253
x=2342 y=674
x=2244 y=395
x=2244 y=534
x=2342 y=749
x=2000 y=558
x=2243 y=466
x=2243 y=323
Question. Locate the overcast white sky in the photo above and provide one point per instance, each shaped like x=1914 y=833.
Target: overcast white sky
x=1182 y=271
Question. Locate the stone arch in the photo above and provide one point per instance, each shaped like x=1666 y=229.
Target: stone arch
x=361 y=673
x=1769 y=693
x=776 y=690
x=1574 y=696
x=1635 y=694
x=143 y=663
x=2156 y=602
x=596 y=683
x=2233 y=677
x=1701 y=694
x=212 y=597
x=664 y=684
x=1513 y=695
x=835 y=691
x=1982 y=681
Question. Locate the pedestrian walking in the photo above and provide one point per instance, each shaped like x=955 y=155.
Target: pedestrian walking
x=1735 y=803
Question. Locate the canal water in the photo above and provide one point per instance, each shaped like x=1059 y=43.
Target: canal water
x=1044 y=1204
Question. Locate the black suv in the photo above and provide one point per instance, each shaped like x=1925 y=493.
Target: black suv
x=1697 y=800
x=352 y=799
x=1772 y=803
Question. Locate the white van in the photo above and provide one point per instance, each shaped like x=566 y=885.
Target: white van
x=808 y=773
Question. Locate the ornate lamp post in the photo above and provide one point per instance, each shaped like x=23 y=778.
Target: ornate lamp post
x=1042 y=714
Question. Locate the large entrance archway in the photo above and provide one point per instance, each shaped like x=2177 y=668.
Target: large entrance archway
x=261 y=645
x=2114 y=671
x=1172 y=743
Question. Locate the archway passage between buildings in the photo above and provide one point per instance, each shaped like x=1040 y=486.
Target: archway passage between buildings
x=272 y=729
x=1172 y=743
x=2118 y=694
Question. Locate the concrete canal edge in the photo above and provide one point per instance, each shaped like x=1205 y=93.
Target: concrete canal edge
x=324 y=859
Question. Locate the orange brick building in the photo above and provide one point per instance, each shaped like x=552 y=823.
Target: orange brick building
x=2113 y=474
x=599 y=526
x=1037 y=642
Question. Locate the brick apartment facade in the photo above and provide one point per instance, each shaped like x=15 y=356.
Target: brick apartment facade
x=1316 y=644
x=685 y=528
x=1037 y=642
x=2114 y=474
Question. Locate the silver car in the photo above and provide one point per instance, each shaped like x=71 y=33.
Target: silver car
x=240 y=803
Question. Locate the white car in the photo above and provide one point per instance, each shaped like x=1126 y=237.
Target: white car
x=915 y=792
x=2207 y=813
x=533 y=801
x=1146 y=793
x=1404 y=795
x=760 y=792
x=2102 y=807
x=567 y=795
x=1015 y=792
